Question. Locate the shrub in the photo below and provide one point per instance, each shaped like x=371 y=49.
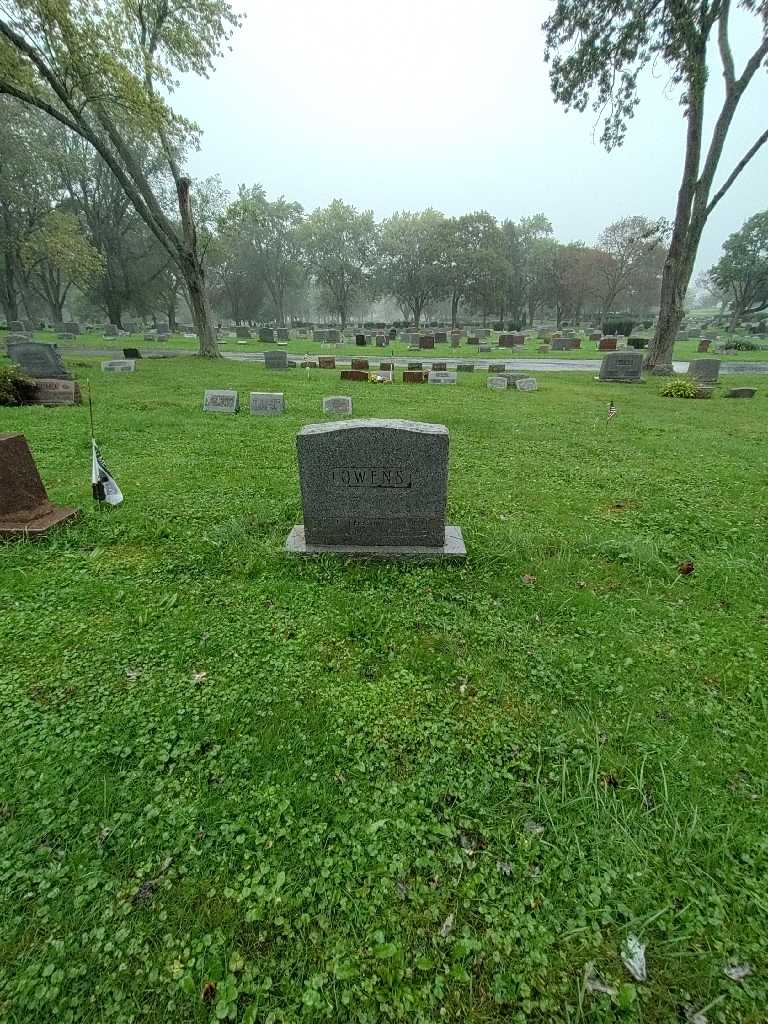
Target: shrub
x=680 y=387
x=744 y=345
x=15 y=388
x=622 y=324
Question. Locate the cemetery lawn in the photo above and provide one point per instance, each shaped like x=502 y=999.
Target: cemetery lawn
x=237 y=786
x=300 y=346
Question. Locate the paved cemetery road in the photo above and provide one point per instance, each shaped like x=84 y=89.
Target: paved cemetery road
x=529 y=365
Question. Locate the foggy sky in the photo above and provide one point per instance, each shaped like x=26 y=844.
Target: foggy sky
x=417 y=103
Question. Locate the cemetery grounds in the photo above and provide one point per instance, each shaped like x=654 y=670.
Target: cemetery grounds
x=238 y=786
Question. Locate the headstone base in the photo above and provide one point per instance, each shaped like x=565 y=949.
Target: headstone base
x=452 y=548
x=32 y=529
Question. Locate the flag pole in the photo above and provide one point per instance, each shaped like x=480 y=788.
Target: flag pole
x=90 y=407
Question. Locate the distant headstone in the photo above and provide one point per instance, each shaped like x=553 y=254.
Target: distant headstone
x=360 y=340
x=266 y=334
x=465 y=367
x=118 y=365
x=276 y=361
x=131 y=353
x=560 y=344
x=455 y=342
x=129 y=328
x=496 y=368
x=25 y=511
x=111 y=330
x=637 y=343
x=71 y=327
x=221 y=400
x=624 y=367
x=441 y=337
x=704 y=371
x=497 y=383
x=704 y=345
x=375 y=488
x=595 y=336
x=607 y=345
x=527 y=384
x=267 y=403
x=441 y=377
x=243 y=332
x=473 y=340
x=55 y=392
x=415 y=366
x=414 y=377
x=740 y=393
x=382 y=341
x=17 y=327
x=439 y=366
x=282 y=334
x=354 y=375
x=506 y=341
x=326 y=362
x=37 y=360
x=359 y=364
x=427 y=341
x=387 y=367
x=338 y=405
x=332 y=335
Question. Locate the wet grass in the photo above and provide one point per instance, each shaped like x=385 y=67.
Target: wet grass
x=242 y=787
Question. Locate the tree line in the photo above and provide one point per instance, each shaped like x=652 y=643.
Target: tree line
x=101 y=73
x=70 y=230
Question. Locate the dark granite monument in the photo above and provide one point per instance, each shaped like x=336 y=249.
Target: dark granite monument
x=374 y=489
x=38 y=360
x=25 y=511
x=623 y=367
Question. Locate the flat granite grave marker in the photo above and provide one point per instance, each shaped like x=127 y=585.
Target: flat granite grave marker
x=131 y=353
x=221 y=400
x=527 y=384
x=25 y=511
x=740 y=393
x=414 y=377
x=622 y=367
x=359 y=364
x=267 y=403
x=354 y=375
x=266 y=334
x=441 y=377
x=118 y=365
x=38 y=360
x=497 y=383
x=704 y=371
x=338 y=404
x=55 y=392
x=326 y=362
x=374 y=489
x=465 y=367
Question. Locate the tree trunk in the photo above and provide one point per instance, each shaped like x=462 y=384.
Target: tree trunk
x=172 y=317
x=114 y=309
x=8 y=297
x=194 y=276
x=455 y=297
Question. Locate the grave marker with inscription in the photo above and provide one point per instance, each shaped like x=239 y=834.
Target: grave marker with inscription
x=338 y=405
x=622 y=367
x=374 y=489
x=221 y=400
x=267 y=403
x=118 y=365
x=497 y=383
x=55 y=392
x=441 y=377
x=704 y=371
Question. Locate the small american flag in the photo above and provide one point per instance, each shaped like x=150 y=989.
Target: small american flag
x=612 y=411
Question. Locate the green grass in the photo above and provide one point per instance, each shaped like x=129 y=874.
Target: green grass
x=241 y=786
x=299 y=346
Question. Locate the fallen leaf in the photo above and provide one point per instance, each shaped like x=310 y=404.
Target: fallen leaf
x=633 y=957
x=504 y=868
x=685 y=568
x=209 y=992
x=737 y=972
x=593 y=984
x=529 y=580
x=133 y=674
x=199 y=676
x=446 y=927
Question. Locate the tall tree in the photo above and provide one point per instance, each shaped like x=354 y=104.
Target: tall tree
x=741 y=273
x=631 y=244
x=473 y=252
x=340 y=250
x=410 y=247
x=57 y=255
x=600 y=47
x=271 y=232
x=96 y=69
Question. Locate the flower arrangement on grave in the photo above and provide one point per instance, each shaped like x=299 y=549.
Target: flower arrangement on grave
x=377 y=378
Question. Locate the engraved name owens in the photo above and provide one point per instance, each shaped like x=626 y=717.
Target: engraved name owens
x=372 y=476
